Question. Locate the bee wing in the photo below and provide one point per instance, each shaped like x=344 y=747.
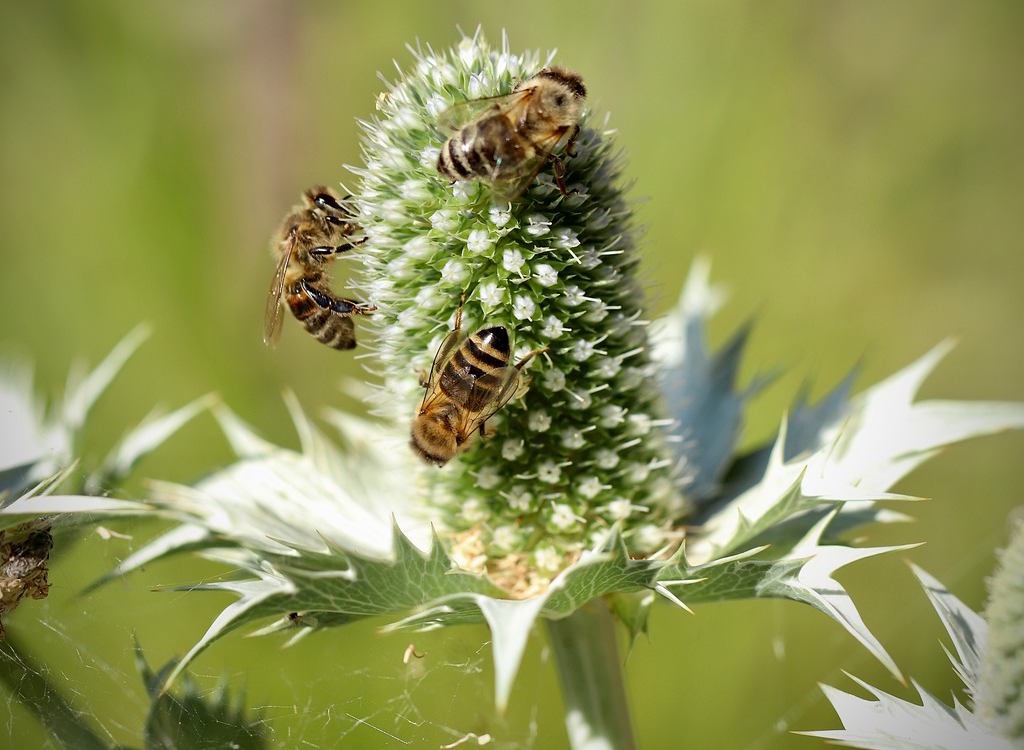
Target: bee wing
x=510 y=187
x=441 y=358
x=461 y=113
x=274 y=313
x=476 y=414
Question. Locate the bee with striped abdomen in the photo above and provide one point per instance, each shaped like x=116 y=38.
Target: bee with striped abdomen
x=309 y=238
x=508 y=139
x=469 y=381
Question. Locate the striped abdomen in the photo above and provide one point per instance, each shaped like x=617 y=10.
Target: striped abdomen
x=463 y=395
x=474 y=373
x=490 y=148
x=329 y=327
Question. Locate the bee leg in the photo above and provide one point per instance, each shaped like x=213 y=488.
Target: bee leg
x=351 y=307
x=528 y=356
x=522 y=387
x=346 y=246
x=559 y=169
x=484 y=434
x=424 y=379
x=339 y=306
x=458 y=313
x=570 y=145
x=326 y=250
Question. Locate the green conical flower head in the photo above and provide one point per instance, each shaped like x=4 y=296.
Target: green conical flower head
x=584 y=447
x=1000 y=693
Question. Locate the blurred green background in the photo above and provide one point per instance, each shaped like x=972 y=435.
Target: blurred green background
x=854 y=170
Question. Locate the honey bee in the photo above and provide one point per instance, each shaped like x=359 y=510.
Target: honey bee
x=514 y=136
x=309 y=238
x=469 y=381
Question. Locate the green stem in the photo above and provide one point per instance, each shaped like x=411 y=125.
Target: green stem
x=590 y=673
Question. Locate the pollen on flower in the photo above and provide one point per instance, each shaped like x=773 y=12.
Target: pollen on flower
x=467 y=551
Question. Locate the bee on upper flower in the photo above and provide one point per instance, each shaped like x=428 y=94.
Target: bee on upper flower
x=506 y=140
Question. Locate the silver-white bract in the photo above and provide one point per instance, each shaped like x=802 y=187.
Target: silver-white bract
x=891 y=723
x=340 y=532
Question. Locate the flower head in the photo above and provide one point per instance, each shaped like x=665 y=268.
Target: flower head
x=518 y=265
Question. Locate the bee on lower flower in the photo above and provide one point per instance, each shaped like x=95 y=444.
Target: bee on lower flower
x=469 y=381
